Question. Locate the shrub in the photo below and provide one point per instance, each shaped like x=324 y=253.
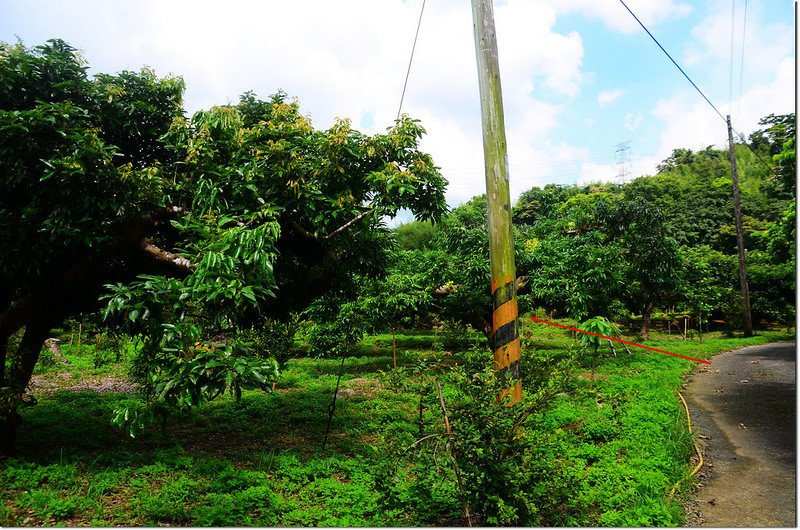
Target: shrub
x=489 y=465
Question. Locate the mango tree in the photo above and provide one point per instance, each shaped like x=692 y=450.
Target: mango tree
x=652 y=260
x=189 y=228
x=577 y=267
x=402 y=298
x=591 y=341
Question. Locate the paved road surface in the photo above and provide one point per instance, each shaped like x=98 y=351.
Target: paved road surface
x=744 y=411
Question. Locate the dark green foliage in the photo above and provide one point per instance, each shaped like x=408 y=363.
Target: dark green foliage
x=779 y=143
x=272 y=338
x=337 y=326
x=198 y=227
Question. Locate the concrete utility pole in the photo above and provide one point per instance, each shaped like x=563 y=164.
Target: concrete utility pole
x=737 y=210
x=505 y=331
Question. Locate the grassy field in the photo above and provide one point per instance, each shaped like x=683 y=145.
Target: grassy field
x=606 y=450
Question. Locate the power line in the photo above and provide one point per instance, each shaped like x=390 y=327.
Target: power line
x=410 y=59
x=730 y=77
x=673 y=61
x=695 y=86
x=741 y=66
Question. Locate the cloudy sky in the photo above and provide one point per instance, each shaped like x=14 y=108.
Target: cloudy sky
x=579 y=77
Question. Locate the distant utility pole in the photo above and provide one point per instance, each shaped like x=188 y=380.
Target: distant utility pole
x=505 y=331
x=737 y=210
x=623 y=159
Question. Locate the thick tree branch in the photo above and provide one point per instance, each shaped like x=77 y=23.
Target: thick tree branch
x=164 y=256
x=62 y=288
x=302 y=231
x=333 y=234
x=348 y=224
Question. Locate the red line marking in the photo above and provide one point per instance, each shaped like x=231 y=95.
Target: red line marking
x=618 y=340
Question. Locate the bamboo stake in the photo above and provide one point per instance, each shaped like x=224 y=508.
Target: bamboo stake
x=452 y=456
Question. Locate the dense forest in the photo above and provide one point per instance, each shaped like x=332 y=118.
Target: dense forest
x=214 y=255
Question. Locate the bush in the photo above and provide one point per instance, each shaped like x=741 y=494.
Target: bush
x=490 y=465
x=335 y=328
x=272 y=338
x=452 y=336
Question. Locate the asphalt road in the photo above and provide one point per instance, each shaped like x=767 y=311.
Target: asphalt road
x=744 y=411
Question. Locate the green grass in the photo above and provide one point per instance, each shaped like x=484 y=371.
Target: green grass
x=612 y=447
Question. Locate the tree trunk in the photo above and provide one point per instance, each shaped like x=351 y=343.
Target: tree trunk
x=54 y=345
x=19 y=376
x=27 y=355
x=8 y=432
x=394 y=348
x=646 y=318
x=3 y=355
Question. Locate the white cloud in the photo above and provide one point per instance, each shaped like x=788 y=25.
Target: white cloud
x=527 y=44
x=688 y=122
x=633 y=121
x=617 y=18
x=349 y=58
x=591 y=172
x=606 y=97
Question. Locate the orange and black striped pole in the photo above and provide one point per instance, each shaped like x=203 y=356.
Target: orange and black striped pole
x=505 y=330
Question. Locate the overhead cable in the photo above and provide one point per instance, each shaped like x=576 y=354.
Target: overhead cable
x=673 y=60
x=410 y=59
x=694 y=85
x=741 y=66
x=730 y=77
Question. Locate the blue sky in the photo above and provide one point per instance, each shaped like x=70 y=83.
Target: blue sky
x=578 y=76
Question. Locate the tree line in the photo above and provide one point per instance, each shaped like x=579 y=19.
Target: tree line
x=662 y=244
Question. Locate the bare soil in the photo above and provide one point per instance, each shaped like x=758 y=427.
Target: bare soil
x=744 y=411
x=66 y=382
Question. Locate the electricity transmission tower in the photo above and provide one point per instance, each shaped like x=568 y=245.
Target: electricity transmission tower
x=623 y=161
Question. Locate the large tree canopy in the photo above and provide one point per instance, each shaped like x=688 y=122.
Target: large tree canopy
x=193 y=225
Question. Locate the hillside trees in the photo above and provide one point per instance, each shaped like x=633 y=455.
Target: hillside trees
x=779 y=141
x=198 y=225
x=691 y=213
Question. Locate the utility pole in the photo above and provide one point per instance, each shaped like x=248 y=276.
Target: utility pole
x=737 y=210
x=505 y=331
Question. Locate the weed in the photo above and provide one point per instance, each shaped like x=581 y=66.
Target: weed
x=48 y=503
x=605 y=455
